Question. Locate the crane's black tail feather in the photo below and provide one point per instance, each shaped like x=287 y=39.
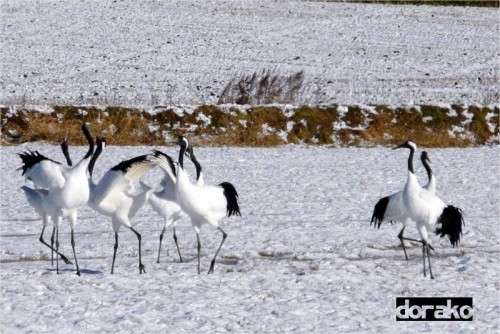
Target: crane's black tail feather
x=379 y=212
x=232 y=199
x=450 y=223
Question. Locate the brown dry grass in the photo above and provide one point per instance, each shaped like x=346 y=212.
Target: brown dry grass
x=313 y=125
x=430 y=127
x=258 y=126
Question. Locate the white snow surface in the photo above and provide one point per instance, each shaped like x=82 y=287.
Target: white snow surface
x=184 y=52
x=302 y=258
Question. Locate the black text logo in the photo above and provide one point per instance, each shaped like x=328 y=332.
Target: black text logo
x=434 y=309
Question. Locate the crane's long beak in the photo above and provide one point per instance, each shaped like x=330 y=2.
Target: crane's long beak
x=400 y=146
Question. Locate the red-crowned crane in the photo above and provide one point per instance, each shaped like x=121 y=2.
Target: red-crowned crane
x=112 y=196
x=204 y=204
x=429 y=212
x=164 y=202
x=392 y=209
x=63 y=189
x=35 y=199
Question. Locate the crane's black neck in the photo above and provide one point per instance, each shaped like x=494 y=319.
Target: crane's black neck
x=183 y=146
x=410 y=159
x=427 y=168
x=65 y=150
x=86 y=132
x=95 y=155
x=196 y=164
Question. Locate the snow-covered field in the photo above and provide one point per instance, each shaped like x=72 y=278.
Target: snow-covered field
x=302 y=258
x=149 y=53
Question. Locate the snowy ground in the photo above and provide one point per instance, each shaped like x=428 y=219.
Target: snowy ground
x=149 y=53
x=303 y=258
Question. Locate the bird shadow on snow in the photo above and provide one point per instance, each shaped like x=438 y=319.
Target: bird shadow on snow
x=82 y=271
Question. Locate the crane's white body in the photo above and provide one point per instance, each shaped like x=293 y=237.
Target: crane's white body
x=423 y=207
x=62 y=190
x=428 y=211
x=396 y=210
x=202 y=203
x=392 y=208
x=421 y=203
x=165 y=202
x=35 y=199
x=112 y=196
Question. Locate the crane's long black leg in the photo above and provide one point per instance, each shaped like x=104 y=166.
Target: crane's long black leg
x=410 y=239
x=423 y=247
x=52 y=249
x=115 y=247
x=57 y=251
x=212 y=265
x=52 y=245
x=141 y=266
x=400 y=236
x=429 y=258
x=423 y=253
x=199 y=251
x=74 y=252
x=177 y=244
x=159 y=248
x=420 y=241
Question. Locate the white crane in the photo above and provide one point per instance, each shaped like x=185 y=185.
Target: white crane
x=112 y=196
x=204 y=204
x=164 y=202
x=429 y=212
x=392 y=209
x=35 y=199
x=63 y=189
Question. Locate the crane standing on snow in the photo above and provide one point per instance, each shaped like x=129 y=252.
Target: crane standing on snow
x=392 y=209
x=111 y=196
x=35 y=199
x=428 y=211
x=202 y=203
x=63 y=189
